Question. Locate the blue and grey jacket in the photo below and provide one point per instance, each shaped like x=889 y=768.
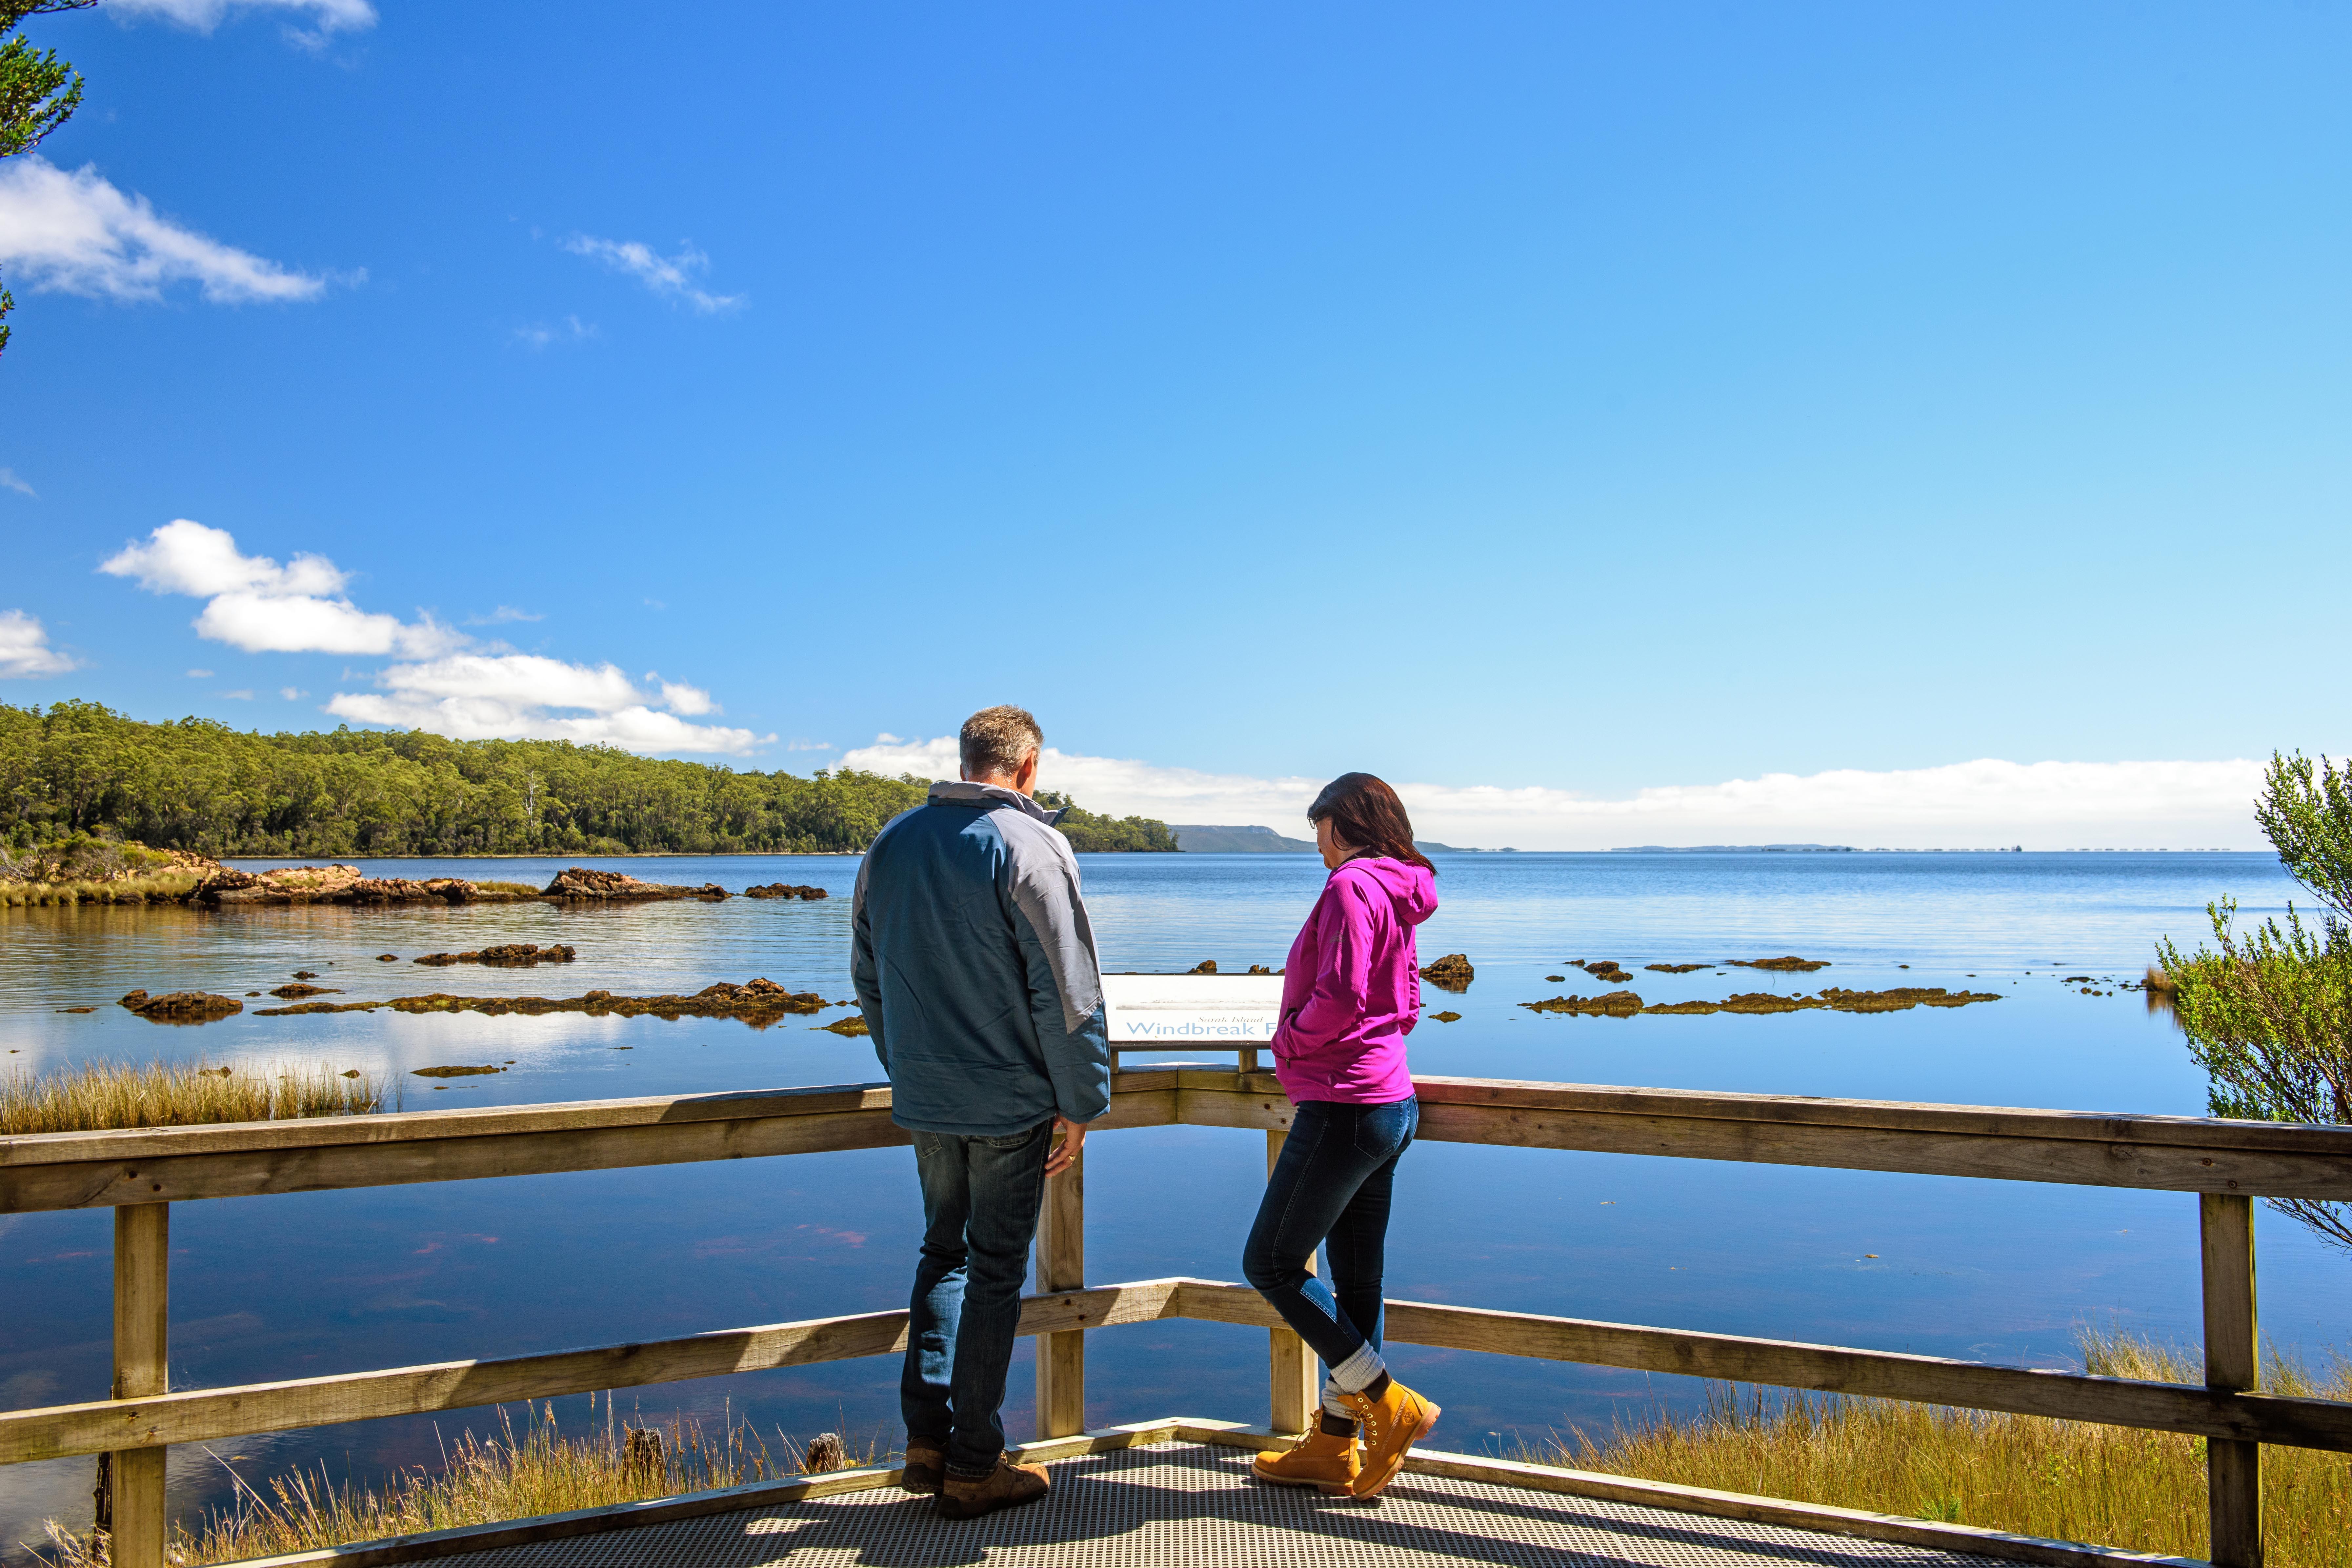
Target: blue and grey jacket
x=975 y=965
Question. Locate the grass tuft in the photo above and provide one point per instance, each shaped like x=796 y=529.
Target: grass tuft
x=2068 y=1480
x=510 y=1474
x=94 y=1096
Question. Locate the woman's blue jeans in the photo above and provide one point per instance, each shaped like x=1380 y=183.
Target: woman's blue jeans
x=1332 y=1186
x=980 y=1198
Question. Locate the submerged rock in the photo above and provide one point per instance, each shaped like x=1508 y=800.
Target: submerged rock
x=296 y=991
x=1452 y=972
x=455 y=1072
x=181 y=1007
x=753 y=1002
x=1613 y=1004
x=1447 y=1017
x=585 y=882
x=1676 y=968
x=853 y=1025
x=1607 y=970
x=1791 y=963
x=784 y=890
x=512 y=956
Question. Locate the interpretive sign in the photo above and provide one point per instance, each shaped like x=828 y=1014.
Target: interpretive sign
x=1181 y=1010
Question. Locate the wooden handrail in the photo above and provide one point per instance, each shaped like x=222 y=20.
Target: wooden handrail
x=2167 y=1153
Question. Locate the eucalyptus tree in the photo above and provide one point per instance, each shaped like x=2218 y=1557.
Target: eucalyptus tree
x=38 y=92
x=2268 y=1010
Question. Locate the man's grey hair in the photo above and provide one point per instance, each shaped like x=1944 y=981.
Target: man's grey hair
x=997 y=740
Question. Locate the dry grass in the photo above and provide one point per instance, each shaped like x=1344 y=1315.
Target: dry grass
x=163 y=888
x=512 y=1474
x=2073 y=1481
x=93 y=1096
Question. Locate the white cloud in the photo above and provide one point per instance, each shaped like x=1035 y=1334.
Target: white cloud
x=475 y=697
x=76 y=233
x=671 y=276
x=200 y=675
x=447 y=686
x=502 y=615
x=1984 y=803
x=808 y=745
x=292 y=694
x=240 y=696
x=540 y=334
x=25 y=650
x=262 y=607
x=202 y=15
x=9 y=481
x=679 y=698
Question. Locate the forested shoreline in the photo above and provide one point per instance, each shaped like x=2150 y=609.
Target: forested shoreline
x=197 y=785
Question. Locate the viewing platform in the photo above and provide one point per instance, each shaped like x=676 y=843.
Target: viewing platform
x=1171 y=1491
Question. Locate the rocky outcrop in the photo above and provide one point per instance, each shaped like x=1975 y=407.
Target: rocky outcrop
x=1792 y=962
x=584 y=882
x=296 y=991
x=1901 y=999
x=226 y=888
x=1206 y=966
x=512 y=956
x=181 y=1007
x=784 y=890
x=853 y=1025
x=1676 y=968
x=1452 y=972
x=1607 y=970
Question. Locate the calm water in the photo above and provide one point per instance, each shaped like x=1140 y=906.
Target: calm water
x=297 y=1285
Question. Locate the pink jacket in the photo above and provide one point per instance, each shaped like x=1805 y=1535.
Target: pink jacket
x=1351 y=989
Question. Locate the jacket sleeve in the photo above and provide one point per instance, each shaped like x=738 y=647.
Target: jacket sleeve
x=1058 y=949
x=864 y=973
x=1342 y=979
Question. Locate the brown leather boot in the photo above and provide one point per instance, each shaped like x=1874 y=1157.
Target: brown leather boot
x=1324 y=1458
x=927 y=1467
x=1007 y=1486
x=1393 y=1420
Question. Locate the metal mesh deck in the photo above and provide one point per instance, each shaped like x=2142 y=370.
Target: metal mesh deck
x=1175 y=1505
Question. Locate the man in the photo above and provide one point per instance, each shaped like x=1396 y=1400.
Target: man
x=975 y=965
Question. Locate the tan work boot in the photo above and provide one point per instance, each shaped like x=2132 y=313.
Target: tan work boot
x=1007 y=1486
x=1393 y=1422
x=927 y=1467
x=1324 y=1458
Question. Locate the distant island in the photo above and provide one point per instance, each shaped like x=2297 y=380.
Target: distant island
x=1733 y=849
x=1214 y=838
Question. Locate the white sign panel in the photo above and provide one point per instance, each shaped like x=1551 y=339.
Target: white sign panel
x=1181 y=1010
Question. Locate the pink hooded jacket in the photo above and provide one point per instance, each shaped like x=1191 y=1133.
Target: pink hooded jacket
x=1351 y=989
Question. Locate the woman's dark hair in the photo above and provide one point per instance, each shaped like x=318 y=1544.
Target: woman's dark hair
x=1366 y=813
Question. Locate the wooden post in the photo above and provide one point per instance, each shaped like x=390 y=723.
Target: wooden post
x=142 y=1259
x=2233 y=1469
x=1290 y=1365
x=1062 y=1266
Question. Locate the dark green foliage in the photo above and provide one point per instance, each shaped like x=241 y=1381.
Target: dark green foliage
x=2269 y=1013
x=199 y=784
x=1088 y=832
x=38 y=92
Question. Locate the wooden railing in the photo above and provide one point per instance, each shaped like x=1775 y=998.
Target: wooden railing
x=140 y=1172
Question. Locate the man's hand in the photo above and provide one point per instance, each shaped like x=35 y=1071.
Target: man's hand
x=1064 y=1153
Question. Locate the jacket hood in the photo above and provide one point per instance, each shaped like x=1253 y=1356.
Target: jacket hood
x=963 y=792
x=1411 y=889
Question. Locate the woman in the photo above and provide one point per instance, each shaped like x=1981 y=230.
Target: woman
x=1350 y=993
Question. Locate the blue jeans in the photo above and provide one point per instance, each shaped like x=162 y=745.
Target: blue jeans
x=979 y=1213
x=1331 y=1185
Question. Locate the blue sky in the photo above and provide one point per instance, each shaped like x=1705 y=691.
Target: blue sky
x=1573 y=398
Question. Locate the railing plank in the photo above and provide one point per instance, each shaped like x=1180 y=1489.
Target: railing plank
x=1876 y=1374
x=204 y=1414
